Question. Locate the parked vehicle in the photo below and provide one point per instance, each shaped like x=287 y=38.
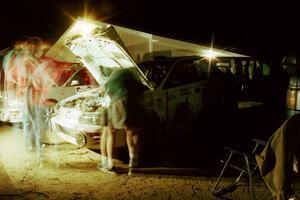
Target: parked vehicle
x=181 y=82
x=77 y=118
x=179 y=96
x=71 y=79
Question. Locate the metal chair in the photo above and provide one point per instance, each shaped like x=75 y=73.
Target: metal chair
x=243 y=162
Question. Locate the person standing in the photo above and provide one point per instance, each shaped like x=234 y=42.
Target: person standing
x=124 y=112
x=32 y=86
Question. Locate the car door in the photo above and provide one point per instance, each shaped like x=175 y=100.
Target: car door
x=183 y=93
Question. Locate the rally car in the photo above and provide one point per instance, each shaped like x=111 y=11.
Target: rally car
x=184 y=87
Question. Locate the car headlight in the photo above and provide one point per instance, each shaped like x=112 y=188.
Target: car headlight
x=80 y=139
x=92 y=119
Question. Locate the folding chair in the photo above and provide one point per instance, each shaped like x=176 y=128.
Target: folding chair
x=243 y=162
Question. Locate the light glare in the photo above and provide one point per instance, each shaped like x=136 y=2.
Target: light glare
x=210 y=54
x=85 y=28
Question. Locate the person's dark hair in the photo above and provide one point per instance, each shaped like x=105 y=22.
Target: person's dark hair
x=124 y=82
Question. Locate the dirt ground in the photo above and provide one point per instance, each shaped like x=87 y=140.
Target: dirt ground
x=69 y=173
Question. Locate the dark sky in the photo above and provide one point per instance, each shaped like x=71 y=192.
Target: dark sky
x=251 y=26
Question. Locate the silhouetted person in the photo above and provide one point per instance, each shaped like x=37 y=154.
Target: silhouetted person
x=124 y=112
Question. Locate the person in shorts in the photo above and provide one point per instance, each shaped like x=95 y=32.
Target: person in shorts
x=124 y=112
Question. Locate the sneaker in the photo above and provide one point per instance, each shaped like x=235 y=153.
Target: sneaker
x=133 y=163
x=99 y=166
x=109 y=170
x=102 y=164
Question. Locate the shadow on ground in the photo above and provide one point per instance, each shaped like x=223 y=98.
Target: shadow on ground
x=202 y=147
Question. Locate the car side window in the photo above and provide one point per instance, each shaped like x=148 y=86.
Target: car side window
x=158 y=73
x=184 y=72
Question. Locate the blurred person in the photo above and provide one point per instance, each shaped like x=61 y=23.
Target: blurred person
x=124 y=112
x=27 y=73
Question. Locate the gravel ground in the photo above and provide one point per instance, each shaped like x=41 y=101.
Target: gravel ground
x=69 y=172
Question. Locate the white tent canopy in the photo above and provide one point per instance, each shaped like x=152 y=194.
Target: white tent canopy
x=139 y=45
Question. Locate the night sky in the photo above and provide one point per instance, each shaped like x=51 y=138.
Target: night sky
x=260 y=28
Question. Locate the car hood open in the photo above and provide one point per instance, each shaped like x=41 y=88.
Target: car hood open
x=97 y=46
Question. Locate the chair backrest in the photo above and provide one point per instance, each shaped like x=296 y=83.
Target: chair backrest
x=244 y=163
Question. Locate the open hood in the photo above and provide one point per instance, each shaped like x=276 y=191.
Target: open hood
x=95 y=46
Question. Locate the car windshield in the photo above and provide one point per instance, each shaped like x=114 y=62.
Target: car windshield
x=155 y=71
x=210 y=69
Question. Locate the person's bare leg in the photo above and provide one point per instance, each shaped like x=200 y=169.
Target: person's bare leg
x=103 y=146
x=110 y=145
x=132 y=140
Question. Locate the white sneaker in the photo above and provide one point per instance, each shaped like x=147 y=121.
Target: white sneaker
x=103 y=163
x=109 y=170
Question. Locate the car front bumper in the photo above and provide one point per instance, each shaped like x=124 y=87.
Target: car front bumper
x=83 y=135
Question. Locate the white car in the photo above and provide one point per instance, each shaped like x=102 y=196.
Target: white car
x=73 y=78
x=77 y=118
